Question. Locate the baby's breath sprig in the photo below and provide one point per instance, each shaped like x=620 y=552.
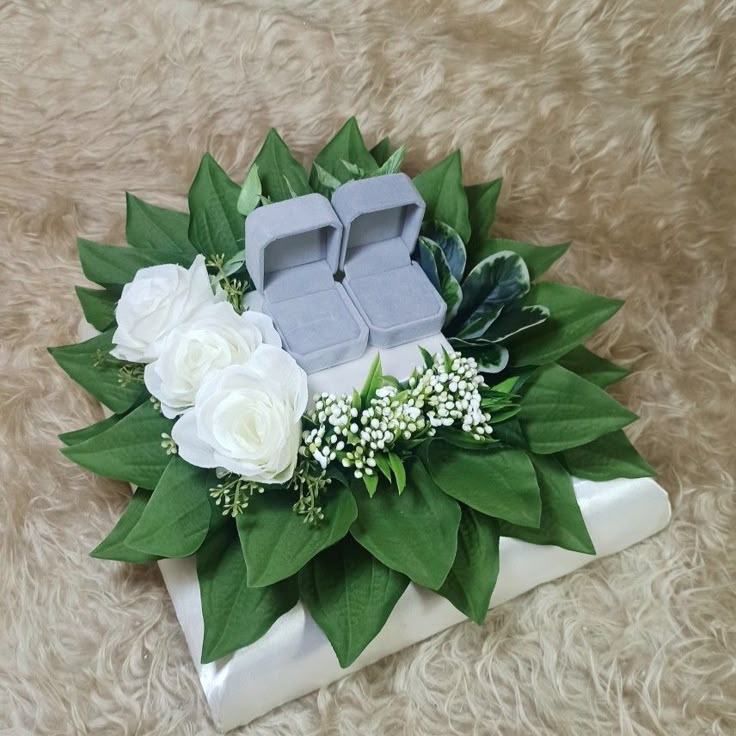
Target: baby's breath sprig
x=127 y=372
x=234 y=288
x=233 y=494
x=167 y=442
x=309 y=482
x=361 y=431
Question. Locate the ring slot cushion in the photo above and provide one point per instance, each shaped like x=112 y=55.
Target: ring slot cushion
x=292 y=253
x=381 y=218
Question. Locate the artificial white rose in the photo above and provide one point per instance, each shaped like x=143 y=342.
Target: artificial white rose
x=247 y=418
x=156 y=301
x=194 y=352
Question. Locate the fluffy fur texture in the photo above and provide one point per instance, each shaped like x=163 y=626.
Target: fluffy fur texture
x=613 y=126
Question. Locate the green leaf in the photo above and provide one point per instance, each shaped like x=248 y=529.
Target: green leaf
x=381 y=151
x=560 y=410
x=441 y=188
x=451 y=245
x=78 y=361
x=113 y=547
x=347 y=145
x=499 y=483
x=373 y=381
x=515 y=319
x=277 y=543
x=482 y=200
x=350 y=595
x=326 y=183
x=250 y=194
x=80 y=435
x=431 y=255
x=130 y=451
x=538 y=258
x=591 y=367
x=112 y=264
x=509 y=433
x=458 y=438
x=98 y=306
x=491 y=358
x=415 y=533
x=473 y=575
x=234 y=614
x=561 y=524
x=392 y=165
x=498 y=280
x=156 y=228
x=397 y=467
x=574 y=316
x=216 y=228
x=279 y=171
x=610 y=456
x=177 y=518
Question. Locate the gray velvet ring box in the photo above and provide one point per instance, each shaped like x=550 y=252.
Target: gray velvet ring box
x=292 y=253
x=381 y=217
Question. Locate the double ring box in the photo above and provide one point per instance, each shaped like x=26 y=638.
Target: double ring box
x=297 y=251
x=381 y=218
x=292 y=253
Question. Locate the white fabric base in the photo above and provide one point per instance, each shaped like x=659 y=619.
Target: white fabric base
x=295 y=658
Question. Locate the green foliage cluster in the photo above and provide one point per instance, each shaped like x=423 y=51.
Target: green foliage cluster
x=551 y=416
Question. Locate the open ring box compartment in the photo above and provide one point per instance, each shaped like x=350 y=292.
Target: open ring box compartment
x=292 y=254
x=381 y=217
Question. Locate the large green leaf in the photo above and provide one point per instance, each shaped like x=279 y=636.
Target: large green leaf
x=234 y=614
x=437 y=268
x=113 y=546
x=591 y=367
x=280 y=173
x=414 y=533
x=473 y=575
x=515 y=319
x=538 y=258
x=347 y=145
x=610 y=456
x=561 y=524
x=498 y=280
x=560 y=410
x=98 y=306
x=176 y=520
x=381 y=151
x=154 y=228
x=574 y=316
x=277 y=543
x=499 y=483
x=82 y=363
x=112 y=264
x=130 y=450
x=350 y=595
x=216 y=228
x=482 y=200
x=80 y=435
x=441 y=188
x=451 y=245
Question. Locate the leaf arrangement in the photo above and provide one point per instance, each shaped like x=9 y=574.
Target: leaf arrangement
x=434 y=515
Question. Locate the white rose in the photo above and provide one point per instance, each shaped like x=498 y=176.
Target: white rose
x=213 y=339
x=247 y=419
x=158 y=299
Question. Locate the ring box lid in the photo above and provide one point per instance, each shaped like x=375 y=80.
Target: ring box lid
x=293 y=247
x=381 y=218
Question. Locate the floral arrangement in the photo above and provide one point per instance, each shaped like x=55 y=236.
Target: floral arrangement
x=338 y=500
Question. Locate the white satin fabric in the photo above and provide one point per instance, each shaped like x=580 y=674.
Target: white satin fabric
x=294 y=657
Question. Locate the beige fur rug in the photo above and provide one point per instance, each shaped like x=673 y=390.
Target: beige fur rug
x=613 y=124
